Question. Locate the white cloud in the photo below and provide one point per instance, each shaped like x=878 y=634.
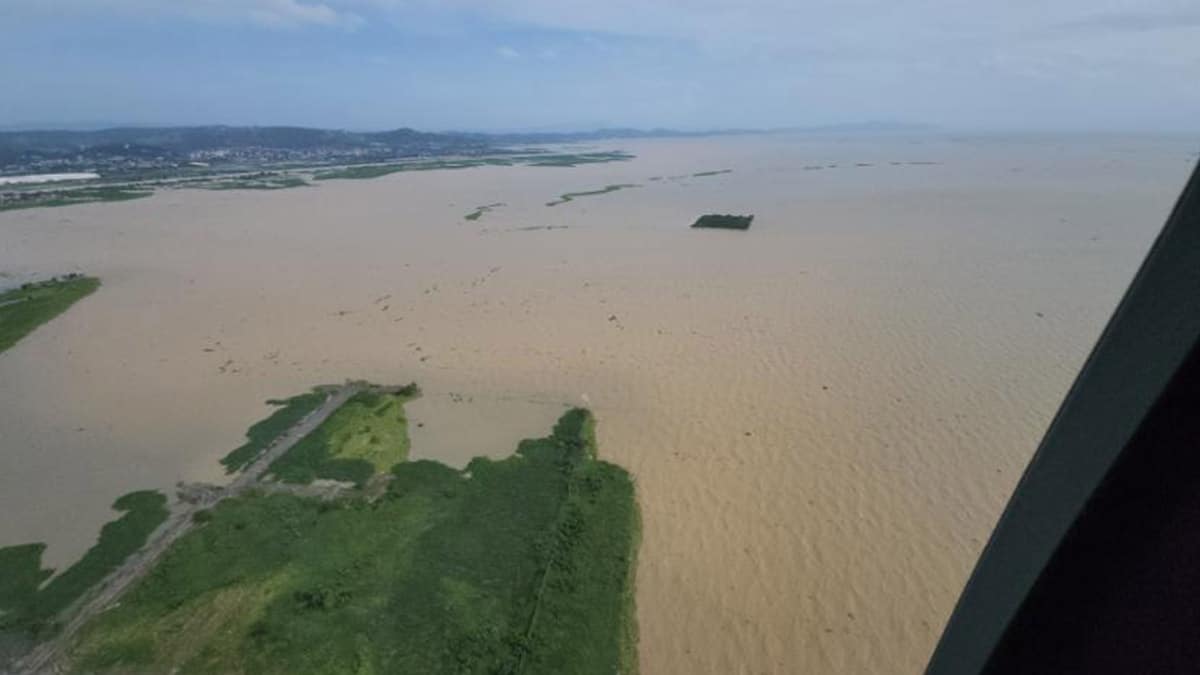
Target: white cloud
x=286 y=13
x=508 y=52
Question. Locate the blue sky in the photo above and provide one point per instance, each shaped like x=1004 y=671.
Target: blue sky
x=558 y=64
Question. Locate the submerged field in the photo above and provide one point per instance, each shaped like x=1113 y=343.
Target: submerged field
x=522 y=565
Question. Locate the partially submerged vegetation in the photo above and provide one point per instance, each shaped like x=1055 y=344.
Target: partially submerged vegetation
x=480 y=210
x=724 y=221
x=534 y=159
x=522 y=565
x=568 y=196
x=575 y=159
x=263 y=181
x=290 y=412
x=378 y=170
x=28 y=608
x=702 y=174
x=29 y=306
x=28 y=199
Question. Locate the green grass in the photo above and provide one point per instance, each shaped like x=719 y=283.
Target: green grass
x=29 y=607
x=568 y=196
x=365 y=436
x=30 y=200
x=291 y=411
x=520 y=566
x=723 y=222
x=24 y=309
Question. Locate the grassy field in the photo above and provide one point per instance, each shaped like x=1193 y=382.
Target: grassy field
x=521 y=566
x=291 y=411
x=24 y=309
x=28 y=607
x=368 y=434
x=566 y=197
x=69 y=197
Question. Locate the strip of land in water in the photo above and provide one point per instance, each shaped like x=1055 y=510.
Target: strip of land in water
x=25 y=308
x=569 y=196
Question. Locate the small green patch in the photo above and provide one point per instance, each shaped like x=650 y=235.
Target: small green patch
x=24 y=309
x=480 y=210
x=566 y=197
x=702 y=174
x=724 y=222
x=27 y=606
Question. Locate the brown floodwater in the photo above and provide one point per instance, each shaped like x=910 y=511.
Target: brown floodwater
x=824 y=415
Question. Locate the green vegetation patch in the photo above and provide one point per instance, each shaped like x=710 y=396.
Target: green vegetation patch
x=724 y=222
x=33 y=199
x=568 y=196
x=24 y=309
x=539 y=159
x=290 y=412
x=480 y=210
x=261 y=182
x=702 y=174
x=365 y=436
x=377 y=170
x=521 y=566
x=27 y=606
x=575 y=159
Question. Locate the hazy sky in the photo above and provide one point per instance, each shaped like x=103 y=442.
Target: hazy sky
x=527 y=64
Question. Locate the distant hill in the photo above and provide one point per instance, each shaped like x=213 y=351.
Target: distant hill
x=48 y=149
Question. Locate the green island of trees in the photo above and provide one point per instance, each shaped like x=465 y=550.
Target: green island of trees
x=33 y=304
x=723 y=222
x=523 y=565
